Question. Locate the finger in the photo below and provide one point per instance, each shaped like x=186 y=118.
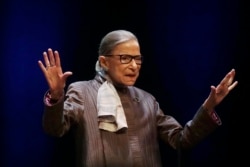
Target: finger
x=232 y=86
x=42 y=67
x=232 y=75
x=57 y=59
x=67 y=74
x=46 y=59
x=51 y=57
x=228 y=79
x=212 y=90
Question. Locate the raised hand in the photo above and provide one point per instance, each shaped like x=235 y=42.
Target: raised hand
x=53 y=73
x=218 y=93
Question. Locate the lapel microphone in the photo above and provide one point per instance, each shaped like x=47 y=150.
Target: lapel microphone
x=136 y=99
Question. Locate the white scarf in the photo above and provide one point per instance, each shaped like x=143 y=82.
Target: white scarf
x=111 y=115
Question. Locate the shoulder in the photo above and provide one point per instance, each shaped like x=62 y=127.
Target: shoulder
x=85 y=85
x=78 y=84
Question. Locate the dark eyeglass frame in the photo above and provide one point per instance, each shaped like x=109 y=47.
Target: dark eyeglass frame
x=126 y=58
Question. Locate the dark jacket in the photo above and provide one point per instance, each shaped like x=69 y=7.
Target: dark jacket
x=135 y=146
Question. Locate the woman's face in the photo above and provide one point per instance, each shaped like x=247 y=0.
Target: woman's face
x=120 y=72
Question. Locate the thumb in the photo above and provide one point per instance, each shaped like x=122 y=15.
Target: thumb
x=67 y=74
x=212 y=91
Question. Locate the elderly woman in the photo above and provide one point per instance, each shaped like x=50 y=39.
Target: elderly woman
x=115 y=123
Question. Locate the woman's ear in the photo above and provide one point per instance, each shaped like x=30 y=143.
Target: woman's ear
x=103 y=62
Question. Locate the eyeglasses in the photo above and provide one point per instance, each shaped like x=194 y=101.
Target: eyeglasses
x=125 y=59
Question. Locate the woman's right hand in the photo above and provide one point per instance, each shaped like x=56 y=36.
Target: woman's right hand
x=53 y=73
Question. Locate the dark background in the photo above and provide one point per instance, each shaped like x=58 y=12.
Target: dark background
x=187 y=46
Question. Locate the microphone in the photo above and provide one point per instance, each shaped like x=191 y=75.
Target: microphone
x=136 y=99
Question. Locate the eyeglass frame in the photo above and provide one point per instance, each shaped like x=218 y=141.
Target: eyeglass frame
x=129 y=57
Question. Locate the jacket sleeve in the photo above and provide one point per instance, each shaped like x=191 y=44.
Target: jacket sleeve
x=202 y=124
x=60 y=116
x=173 y=133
